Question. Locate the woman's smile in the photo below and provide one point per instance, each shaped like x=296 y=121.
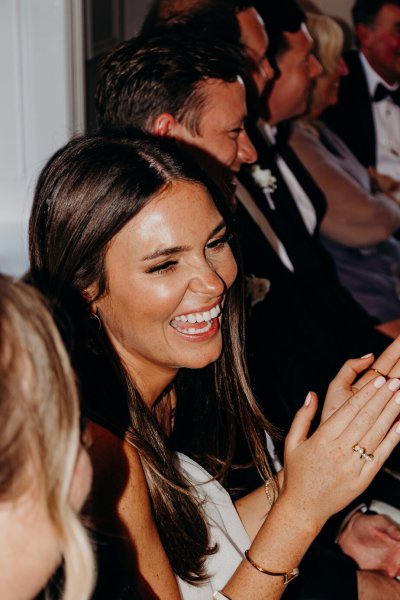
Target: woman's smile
x=196 y=324
x=168 y=271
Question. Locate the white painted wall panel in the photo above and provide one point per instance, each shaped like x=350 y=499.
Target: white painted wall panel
x=41 y=105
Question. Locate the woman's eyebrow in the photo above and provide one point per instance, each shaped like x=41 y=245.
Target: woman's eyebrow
x=162 y=252
x=165 y=252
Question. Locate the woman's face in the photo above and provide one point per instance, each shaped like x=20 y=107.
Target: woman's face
x=30 y=549
x=327 y=86
x=168 y=270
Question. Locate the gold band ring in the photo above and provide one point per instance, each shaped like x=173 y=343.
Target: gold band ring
x=377 y=371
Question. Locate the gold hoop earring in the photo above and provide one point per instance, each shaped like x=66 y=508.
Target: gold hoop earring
x=95 y=317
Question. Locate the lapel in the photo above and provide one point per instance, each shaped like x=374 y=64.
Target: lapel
x=286 y=217
x=362 y=102
x=257 y=221
x=306 y=181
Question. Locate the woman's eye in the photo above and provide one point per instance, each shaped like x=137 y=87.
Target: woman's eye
x=220 y=242
x=164 y=267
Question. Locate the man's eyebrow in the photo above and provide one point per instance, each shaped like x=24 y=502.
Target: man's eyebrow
x=163 y=252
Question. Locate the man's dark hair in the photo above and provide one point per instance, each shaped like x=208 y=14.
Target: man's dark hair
x=365 y=11
x=164 y=10
x=145 y=77
x=279 y=17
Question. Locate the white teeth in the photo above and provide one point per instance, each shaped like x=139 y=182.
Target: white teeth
x=200 y=317
x=193 y=331
x=215 y=311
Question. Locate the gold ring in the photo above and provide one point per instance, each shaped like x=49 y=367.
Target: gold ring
x=377 y=371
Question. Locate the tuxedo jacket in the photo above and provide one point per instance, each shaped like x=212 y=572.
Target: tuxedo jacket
x=351 y=118
x=308 y=324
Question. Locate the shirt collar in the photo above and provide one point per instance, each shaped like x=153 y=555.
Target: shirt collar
x=268 y=131
x=373 y=78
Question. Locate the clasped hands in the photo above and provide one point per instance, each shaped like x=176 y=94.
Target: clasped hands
x=323 y=473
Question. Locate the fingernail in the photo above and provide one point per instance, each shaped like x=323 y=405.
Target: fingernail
x=308 y=399
x=397 y=398
x=394 y=384
x=367 y=355
x=379 y=382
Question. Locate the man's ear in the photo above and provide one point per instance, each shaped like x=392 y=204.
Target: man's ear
x=164 y=125
x=363 y=34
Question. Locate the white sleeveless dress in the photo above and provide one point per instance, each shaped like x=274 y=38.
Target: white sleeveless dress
x=225 y=527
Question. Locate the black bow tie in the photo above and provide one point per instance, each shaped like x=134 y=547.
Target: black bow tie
x=382 y=92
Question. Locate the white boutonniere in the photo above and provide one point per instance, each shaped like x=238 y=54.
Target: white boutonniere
x=257 y=288
x=264 y=179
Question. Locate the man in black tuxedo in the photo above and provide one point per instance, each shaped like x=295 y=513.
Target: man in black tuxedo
x=189 y=89
x=318 y=319
x=367 y=115
x=308 y=324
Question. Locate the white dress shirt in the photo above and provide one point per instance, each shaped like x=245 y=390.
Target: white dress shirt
x=386 y=115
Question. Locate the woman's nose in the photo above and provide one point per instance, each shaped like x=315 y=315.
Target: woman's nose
x=208 y=281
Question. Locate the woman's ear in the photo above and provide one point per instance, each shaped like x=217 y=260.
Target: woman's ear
x=89 y=294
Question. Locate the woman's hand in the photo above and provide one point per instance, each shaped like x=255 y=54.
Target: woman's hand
x=347 y=383
x=323 y=473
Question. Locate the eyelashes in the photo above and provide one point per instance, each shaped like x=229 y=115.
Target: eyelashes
x=170 y=265
x=220 y=241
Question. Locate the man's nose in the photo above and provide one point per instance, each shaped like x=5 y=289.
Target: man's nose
x=246 y=151
x=267 y=68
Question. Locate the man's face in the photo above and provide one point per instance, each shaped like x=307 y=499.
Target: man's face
x=222 y=138
x=380 y=43
x=255 y=41
x=298 y=67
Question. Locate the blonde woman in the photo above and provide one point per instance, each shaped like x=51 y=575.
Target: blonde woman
x=45 y=473
x=362 y=212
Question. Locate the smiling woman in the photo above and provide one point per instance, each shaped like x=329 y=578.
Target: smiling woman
x=183 y=272
x=134 y=247
x=131 y=233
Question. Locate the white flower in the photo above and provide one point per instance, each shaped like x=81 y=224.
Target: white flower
x=257 y=288
x=264 y=179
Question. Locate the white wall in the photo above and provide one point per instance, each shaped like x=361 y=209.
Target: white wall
x=42 y=105
x=336 y=8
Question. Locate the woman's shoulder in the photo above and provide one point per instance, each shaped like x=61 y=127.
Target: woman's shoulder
x=205 y=486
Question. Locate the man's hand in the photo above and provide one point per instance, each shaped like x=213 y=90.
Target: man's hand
x=375 y=585
x=373 y=541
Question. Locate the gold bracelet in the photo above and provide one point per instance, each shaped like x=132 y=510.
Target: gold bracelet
x=286 y=577
x=267 y=492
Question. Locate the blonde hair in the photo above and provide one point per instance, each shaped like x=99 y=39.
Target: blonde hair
x=39 y=424
x=328 y=40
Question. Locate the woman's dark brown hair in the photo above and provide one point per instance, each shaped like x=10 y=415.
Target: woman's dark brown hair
x=86 y=193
